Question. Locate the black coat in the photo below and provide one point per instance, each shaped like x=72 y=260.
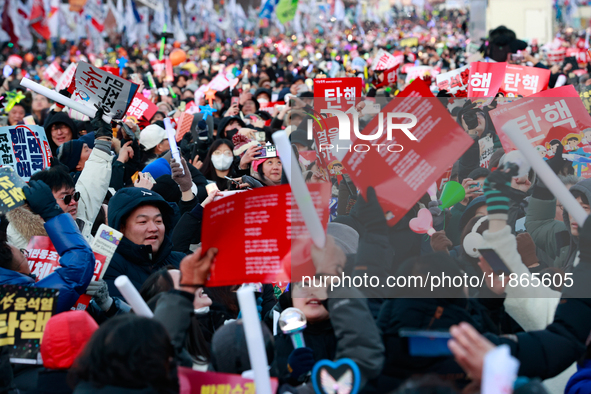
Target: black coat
x=53 y=382
x=135 y=262
x=319 y=337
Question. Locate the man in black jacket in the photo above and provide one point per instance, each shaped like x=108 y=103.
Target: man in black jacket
x=144 y=218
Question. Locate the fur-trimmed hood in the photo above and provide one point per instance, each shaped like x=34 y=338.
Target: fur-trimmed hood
x=26 y=223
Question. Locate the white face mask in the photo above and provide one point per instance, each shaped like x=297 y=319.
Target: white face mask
x=221 y=162
x=262 y=101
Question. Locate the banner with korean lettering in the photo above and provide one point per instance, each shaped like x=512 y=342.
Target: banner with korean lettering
x=43 y=260
x=455 y=82
x=141 y=108
x=485 y=79
x=524 y=81
x=95 y=86
x=25 y=148
x=581 y=54
x=262 y=224
x=388 y=77
x=24 y=312
x=11 y=190
x=337 y=93
x=325 y=133
x=548 y=119
x=197 y=382
x=401 y=175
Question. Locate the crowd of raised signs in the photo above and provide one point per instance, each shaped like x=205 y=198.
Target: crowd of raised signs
x=144 y=201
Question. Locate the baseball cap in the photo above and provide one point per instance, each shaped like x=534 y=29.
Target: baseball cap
x=152 y=136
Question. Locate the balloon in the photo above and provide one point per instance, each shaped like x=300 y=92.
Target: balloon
x=423 y=223
x=29 y=57
x=452 y=194
x=177 y=57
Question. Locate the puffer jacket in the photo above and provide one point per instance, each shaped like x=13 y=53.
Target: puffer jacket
x=92 y=184
x=137 y=261
x=76 y=260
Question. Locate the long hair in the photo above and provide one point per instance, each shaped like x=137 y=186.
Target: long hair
x=128 y=351
x=208 y=170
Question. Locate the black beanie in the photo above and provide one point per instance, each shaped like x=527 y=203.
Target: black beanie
x=69 y=154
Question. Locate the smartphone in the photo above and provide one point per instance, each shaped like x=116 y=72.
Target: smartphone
x=427 y=343
x=517 y=57
x=235 y=101
x=135 y=78
x=495 y=262
x=267 y=152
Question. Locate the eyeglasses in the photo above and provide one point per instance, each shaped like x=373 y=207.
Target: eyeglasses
x=227 y=153
x=25 y=252
x=68 y=198
x=59 y=127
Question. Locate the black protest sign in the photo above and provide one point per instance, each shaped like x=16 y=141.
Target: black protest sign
x=24 y=313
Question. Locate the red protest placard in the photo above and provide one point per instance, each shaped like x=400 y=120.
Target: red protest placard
x=43 y=260
x=548 y=118
x=254 y=231
x=336 y=93
x=524 y=81
x=325 y=133
x=485 y=79
x=191 y=381
x=183 y=125
x=389 y=77
x=141 y=107
x=400 y=178
x=581 y=54
x=455 y=81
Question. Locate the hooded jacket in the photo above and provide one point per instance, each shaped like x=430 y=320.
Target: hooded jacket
x=552 y=236
x=137 y=261
x=224 y=122
x=580 y=382
x=76 y=260
x=64 y=337
x=58 y=117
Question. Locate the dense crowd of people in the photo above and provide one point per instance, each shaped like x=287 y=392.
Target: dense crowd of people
x=123 y=174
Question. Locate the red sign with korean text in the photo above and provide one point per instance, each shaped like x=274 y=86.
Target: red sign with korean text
x=337 y=93
x=43 y=260
x=389 y=77
x=324 y=134
x=191 y=381
x=549 y=118
x=141 y=107
x=485 y=79
x=401 y=177
x=261 y=225
x=524 y=81
x=581 y=54
x=455 y=81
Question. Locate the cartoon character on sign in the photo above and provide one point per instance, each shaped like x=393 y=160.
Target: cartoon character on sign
x=551 y=147
x=586 y=137
x=571 y=142
x=542 y=151
x=335 y=168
